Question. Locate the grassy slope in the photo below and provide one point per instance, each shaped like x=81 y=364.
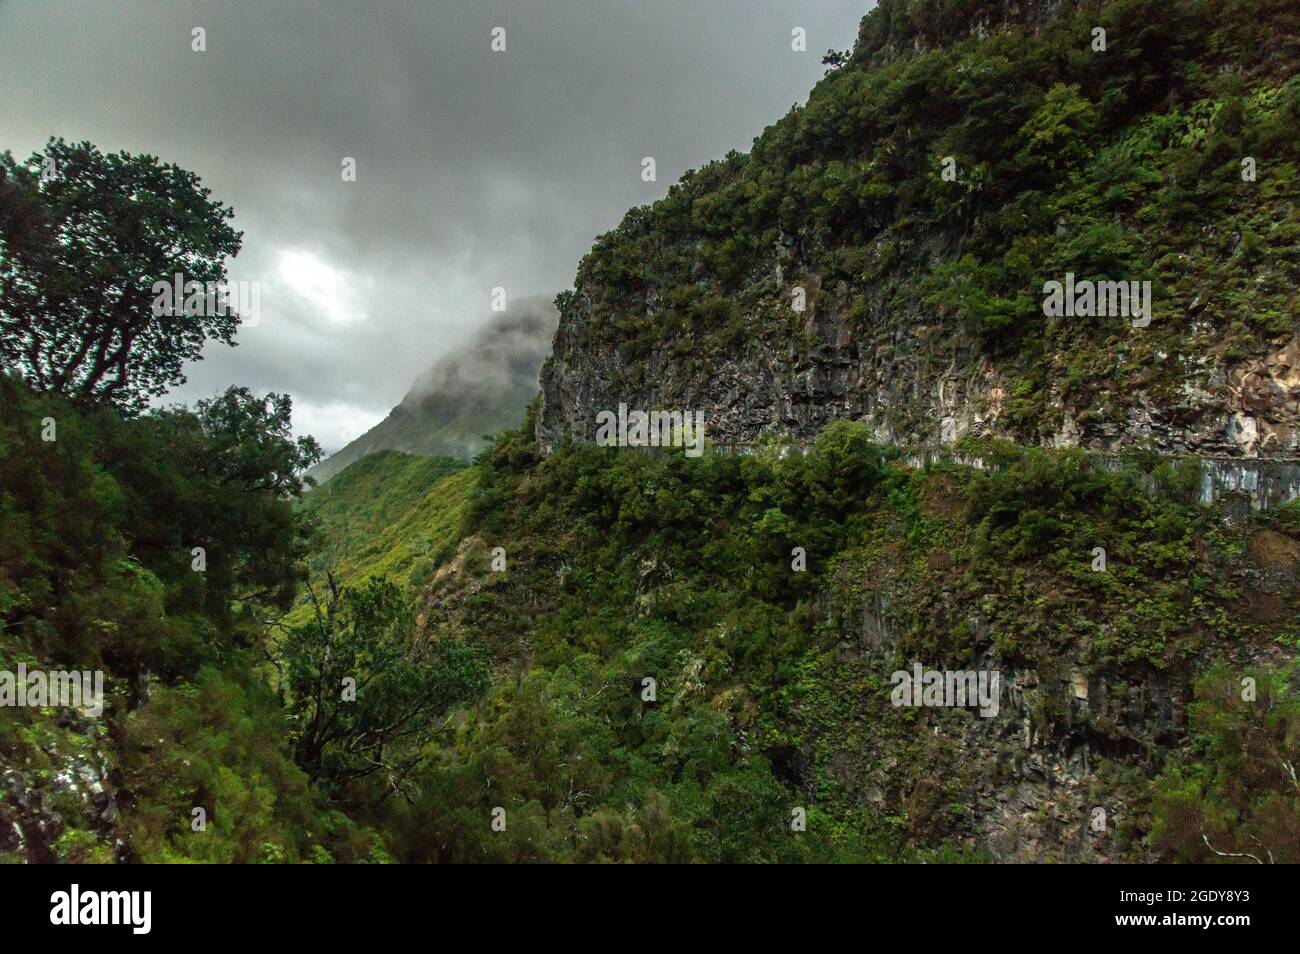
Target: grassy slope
x=390 y=514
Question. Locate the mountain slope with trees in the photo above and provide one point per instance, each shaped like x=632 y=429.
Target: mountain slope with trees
x=564 y=652
x=163 y=549
x=881 y=253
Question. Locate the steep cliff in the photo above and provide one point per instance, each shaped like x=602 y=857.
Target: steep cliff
x=882 y=254
x=877 y=271
x=693 y=650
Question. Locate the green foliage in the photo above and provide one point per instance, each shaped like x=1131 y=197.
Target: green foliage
x=83 y=238
x=102 y=522
x=1234 y=795
x=626 y=565
x=1122 y=165
x=389 y=515
x=214 y=744
x=97 y=572
x=363 y=691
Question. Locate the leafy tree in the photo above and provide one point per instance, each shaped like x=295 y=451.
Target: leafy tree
x=399 y=684
x=99 y=526
x=1239 y=800
x=834 y=59
x=83 y=238
x=227 y=484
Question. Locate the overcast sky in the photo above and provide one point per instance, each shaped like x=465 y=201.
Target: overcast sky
x=474 y=169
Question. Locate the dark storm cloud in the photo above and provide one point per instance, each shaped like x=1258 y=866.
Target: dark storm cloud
x=474 y=169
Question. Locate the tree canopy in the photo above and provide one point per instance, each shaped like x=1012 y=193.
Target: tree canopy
x=83 y=238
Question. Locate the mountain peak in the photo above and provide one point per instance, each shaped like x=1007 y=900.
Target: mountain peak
x=481 y=388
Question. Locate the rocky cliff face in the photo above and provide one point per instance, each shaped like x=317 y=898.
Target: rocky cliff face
x=1029 y=775
x=923 y=386
x=835 y=272
x=69 y=790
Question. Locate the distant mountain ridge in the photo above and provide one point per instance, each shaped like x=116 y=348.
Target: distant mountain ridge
x=480 y=389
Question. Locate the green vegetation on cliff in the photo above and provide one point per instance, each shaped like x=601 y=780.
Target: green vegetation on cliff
x=1123 y=164
x=772 y=685
x=627 y=656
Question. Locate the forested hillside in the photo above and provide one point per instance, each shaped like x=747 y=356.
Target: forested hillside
x=881 y=253
x=771 y=687
x=395 y=515
x=567 y=652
